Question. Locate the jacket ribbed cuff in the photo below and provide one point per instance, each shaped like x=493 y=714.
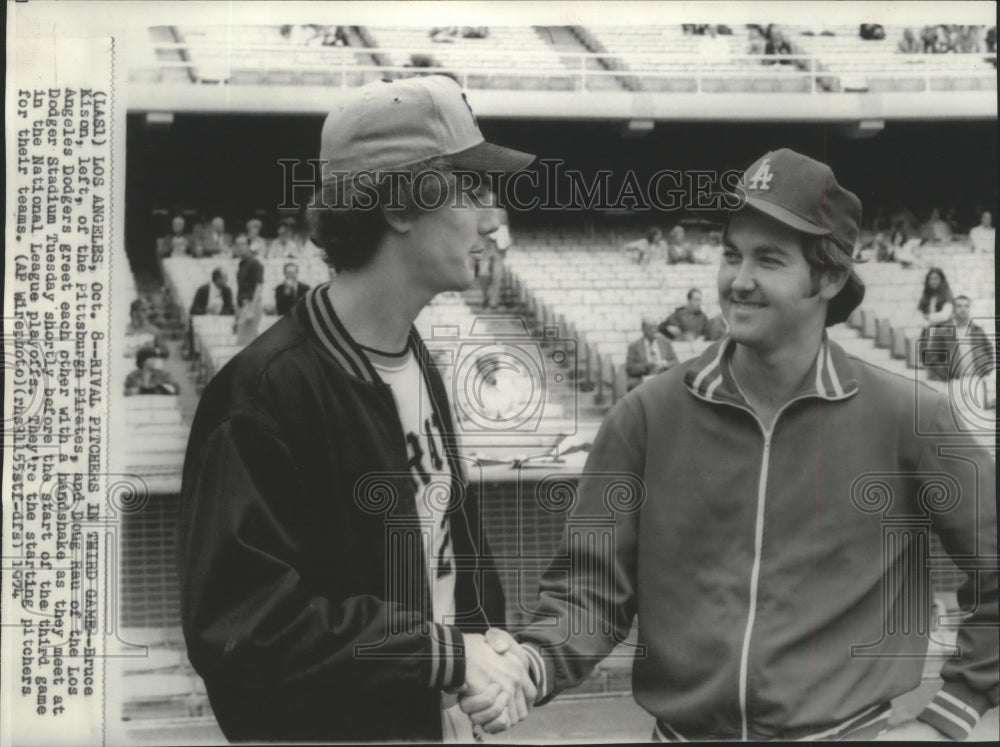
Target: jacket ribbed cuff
x=541 y=671
x=447 y=658
x=955 y=710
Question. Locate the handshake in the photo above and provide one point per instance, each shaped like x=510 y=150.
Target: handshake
x=498 y=690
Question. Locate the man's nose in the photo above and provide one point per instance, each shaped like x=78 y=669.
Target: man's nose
x=744 y=279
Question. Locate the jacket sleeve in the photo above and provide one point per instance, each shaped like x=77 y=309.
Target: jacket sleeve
x=966 y=525
x=250 y=613
x=586 y=599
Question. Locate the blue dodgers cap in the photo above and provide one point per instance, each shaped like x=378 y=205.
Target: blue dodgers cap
x=804 y=194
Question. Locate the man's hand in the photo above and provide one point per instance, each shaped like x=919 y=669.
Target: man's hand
x=503 y=643
x=493 y=694
x=912 y=731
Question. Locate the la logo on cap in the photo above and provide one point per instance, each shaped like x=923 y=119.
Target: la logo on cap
x=761 y=180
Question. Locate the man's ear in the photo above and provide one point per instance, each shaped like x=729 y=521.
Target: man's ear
x=397 y=219
x=832 y=281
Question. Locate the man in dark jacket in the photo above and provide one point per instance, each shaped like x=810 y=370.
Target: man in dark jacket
x=215 y=297
x=336 y=580
x=687 y=322
x=766 y=509
x=290 y=291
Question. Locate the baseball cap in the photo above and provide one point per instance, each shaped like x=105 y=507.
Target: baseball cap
x=804 y=194
x=387 y=125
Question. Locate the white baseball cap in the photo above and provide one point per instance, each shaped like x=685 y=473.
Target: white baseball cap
x=388 y=125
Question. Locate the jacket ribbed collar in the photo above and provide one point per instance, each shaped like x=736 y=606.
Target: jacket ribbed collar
x=317 y=314
x=710 y=377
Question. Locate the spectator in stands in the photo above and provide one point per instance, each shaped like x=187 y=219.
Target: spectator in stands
x=943 y=42
x=687 y=322
x=286 y=245
x=951 y=219
x=177 y=242
x=777 y=45
x=967 y=40
x=215 y=297
x=937 y=306
x=649 y=355
x=215 y=241
x=910 y=44
x=497 y=243
x=935 y=230
x=678 y=248
x=984 y=236
x=872 y=32
x=991 y=41
x=249 y=292
x=285 y=541
x=140 y=331
x=290 y=291
x=757 y=42
x=651 y=248
x=149 y=376
x=972 y=354
x=257 y=243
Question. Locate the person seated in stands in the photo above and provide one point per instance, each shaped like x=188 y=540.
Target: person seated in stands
x=257 y=243
x=286 y=245
x=149 y=376
x=215 y=297
x=935 y=230
x=984 y=236
x=140 y=331
x=937 y=306
x=678 y=248
x=967 y=40
x=649 y=355
x=687 y=322
x=910 y=44
x=650 y=248
x=215 y=241
x=178 y=241
x=972 y=354
x=757 y=42
x=777 y=45
x=872 y=32
x=288 y=292
x=943 y=41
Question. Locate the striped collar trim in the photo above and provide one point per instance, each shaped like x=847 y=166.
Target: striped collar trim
x=322 y=321
x=710 y=378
